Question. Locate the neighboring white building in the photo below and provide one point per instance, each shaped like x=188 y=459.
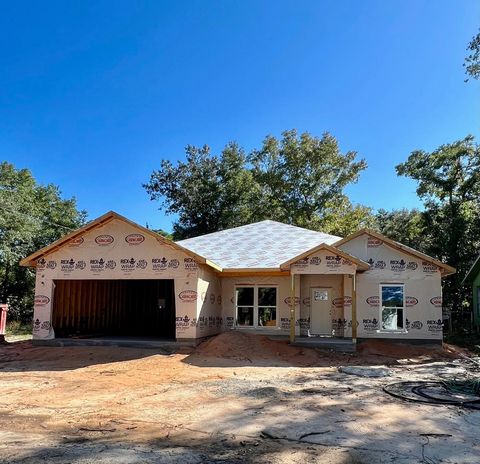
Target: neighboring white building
x=114 y=277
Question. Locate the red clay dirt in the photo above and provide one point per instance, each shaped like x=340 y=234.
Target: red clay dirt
x=235 y=398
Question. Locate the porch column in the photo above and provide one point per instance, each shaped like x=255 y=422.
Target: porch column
x=354 y=308
x=292 y=307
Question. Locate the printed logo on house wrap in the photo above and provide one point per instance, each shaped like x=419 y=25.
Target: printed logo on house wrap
x=75 y=242
x=159 y=264
x=304 y=323
x=412 y=265
x=134 y=239
x=414 y=325
x=301 y=263
x=45 y=325
x=128 y=264
x=36 y=325
x=104 y=240
x=97 y=265
x=339 y=324
x=182 y=322
x=435 y=326
x=219 y=299
x=374 y=301
x=110 y=264
x=436 y=301
x=397 y=265
x=188 y=296
x=190 y=264
x=429 y=268
x=68 y=265
x=337 y=302
x=212 y=298
x=174 y=263
x=333 y=261
x=288 y=300
x=373 y=242
x=41 y=300
x=306 y=301
x=410 y=301
x=43 y=264
x=340 y=302
x=315 y=260
x=370 y=325
x=380 y=264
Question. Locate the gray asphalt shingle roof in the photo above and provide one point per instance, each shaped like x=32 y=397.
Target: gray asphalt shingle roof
x=265 y=244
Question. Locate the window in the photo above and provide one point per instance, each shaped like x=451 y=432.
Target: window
x=245 y=306
x=267 y=306
x=256 y=306
x=392 y=307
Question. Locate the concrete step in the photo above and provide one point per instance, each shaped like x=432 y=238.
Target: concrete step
x=335 y=344
x=167 y=346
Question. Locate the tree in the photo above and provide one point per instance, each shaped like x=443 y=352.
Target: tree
x=449 y=184
x=472 y=61
x=302 y=178
x=207 y=192
x=298 y=179
x=31 y=217
x=404 y=226
x=163 y=233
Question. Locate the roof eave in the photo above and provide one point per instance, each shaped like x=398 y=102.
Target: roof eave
x=472 y=272
x=30 y=261
x=361 y=265
x=446 y=270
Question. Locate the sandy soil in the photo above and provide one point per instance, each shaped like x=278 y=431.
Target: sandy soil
x=236 y=398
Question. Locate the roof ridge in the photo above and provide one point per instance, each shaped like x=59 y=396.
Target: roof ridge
x=255 y=223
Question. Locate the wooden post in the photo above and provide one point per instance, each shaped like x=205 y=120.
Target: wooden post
x=354 y=309
x=292 y=307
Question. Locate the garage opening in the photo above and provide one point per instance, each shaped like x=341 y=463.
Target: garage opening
x=140 y=308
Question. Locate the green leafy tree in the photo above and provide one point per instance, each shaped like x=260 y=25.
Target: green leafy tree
x=404 y=226
x=163 y=233
x=449 y=184
x=31 y=216
x=340 y=217
x=298 y=179
x=472 y=61
x=302 y=179
x=207 y=192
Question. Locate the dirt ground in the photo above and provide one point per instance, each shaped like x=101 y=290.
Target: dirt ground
x=236 y=398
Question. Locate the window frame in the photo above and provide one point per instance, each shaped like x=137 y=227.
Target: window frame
x=256 y=306
x=381 y=308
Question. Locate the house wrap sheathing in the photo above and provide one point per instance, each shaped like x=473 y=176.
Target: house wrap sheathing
x=114 y=277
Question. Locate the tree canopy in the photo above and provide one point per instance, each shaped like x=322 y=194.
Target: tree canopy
x=32 y=216
x=472 y=61
x=298 y=179
x=448 y=181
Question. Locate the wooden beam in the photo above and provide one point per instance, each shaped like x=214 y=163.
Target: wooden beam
x=354 y=308
x=292 y=308
x=247 y=274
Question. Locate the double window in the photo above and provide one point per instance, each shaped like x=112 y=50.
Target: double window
x=256 y=306
x=392 y=307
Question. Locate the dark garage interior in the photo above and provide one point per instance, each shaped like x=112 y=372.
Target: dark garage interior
x=140 y=308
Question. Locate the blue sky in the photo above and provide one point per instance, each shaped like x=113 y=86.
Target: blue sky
x=94 y=94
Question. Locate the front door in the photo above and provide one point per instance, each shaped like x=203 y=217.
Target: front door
x=320 y=318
